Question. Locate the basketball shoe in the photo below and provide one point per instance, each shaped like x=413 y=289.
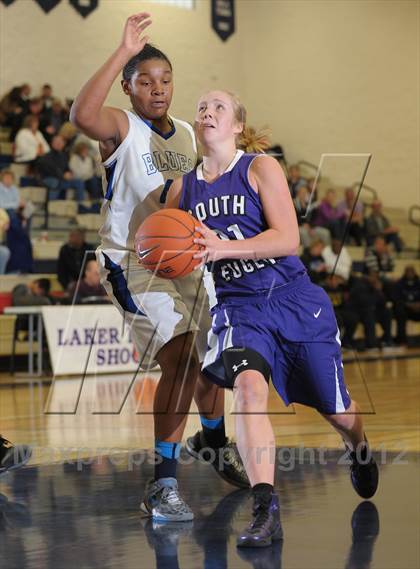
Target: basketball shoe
x=364 y=472
x=226 y=460
x=13 y=457
x=265 y=527
x=163 y=502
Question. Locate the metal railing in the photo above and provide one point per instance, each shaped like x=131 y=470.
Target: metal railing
x=373 y=194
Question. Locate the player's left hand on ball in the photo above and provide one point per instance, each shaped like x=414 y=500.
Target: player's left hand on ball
x=213 y=246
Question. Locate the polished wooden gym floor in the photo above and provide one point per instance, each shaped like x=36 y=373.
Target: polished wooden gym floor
x=76 y=503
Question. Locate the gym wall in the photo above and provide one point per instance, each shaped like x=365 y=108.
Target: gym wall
x=334 y=76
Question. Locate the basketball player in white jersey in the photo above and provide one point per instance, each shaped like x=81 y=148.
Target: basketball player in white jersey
x=143 y=151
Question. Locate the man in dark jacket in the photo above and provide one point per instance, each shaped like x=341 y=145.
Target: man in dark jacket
x=71 y=257
x=377 y=224
x=407 y=302
x=54 y=170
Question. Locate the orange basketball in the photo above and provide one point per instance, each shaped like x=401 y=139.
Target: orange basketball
x=165 y=245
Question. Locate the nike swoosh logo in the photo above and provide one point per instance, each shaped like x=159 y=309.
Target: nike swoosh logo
x=143 y=254
x=316 y=314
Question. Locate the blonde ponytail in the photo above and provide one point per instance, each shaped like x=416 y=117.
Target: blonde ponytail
x=252 y=141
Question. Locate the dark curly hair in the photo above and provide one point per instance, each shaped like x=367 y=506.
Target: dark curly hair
x=148 y=52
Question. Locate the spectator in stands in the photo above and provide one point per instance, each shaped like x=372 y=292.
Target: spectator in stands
x=37 y=293
x=368 y=300
x=337 y=289
x=20 y=247
x=34 y=108
x=46 y=97
x=55 y=172
x=69 y=133
x=83 y=167
x=407 y=302
x=10 y=105
x=304 y=211
x=337 y=259
x=25 y=95
x=378 y=258
x=89 y=288
x=72 y=256
x=53 y=119
x=295 y=180
x=314 y=262
x=17 y=237
x=353 y=214
x=30 y=143
x=4 y=250
x=9 y=194
x=329 y=216
x=11 y=201
x=379 y=225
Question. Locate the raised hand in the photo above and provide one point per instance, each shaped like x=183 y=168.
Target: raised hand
x=133 y=39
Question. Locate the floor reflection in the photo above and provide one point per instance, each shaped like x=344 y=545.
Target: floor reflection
x=86 y=515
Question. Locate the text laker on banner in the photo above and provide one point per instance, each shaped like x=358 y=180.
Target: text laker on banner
x=223 y=18
x=88 y=339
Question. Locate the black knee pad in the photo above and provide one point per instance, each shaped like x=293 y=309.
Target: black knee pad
x=236 y=360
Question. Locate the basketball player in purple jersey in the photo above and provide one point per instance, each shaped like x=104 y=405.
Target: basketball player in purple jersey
x=270 y=320
x=143 y=150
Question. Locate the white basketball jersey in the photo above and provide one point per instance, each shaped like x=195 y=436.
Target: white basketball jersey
x=138 y=176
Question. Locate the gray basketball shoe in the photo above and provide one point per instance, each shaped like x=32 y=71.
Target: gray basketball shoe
x=163 y=502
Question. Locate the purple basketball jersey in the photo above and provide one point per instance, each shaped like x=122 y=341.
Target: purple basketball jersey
x=231 y=207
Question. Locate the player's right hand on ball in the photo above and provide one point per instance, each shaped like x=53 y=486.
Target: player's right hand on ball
x=133 y=39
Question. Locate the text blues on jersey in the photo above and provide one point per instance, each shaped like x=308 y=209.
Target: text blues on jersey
x=166 y=161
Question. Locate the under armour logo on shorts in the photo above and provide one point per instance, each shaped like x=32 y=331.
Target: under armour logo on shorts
x=236 y=367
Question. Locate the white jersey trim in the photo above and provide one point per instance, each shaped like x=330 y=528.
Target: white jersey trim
x=133 y=117
x=199 y=170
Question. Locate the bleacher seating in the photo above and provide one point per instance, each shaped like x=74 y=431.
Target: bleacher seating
x=8 y=282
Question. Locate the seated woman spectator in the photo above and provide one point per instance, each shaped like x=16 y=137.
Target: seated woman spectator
x=89 y=289
x=314 y=262
x=4 y=251
x=69 y=133
x=379 y=225
x=30 y=143
x=55 y=172
x=407 y=302
x=337 y=259
x=329 y=216
x=304 y=211
x=353 y=212
x=295 y=180
x=82 y=166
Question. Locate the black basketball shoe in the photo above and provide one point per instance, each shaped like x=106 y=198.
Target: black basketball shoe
x=13 y=457
x=225 y=460
x=265 y=527
x=364 y=472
